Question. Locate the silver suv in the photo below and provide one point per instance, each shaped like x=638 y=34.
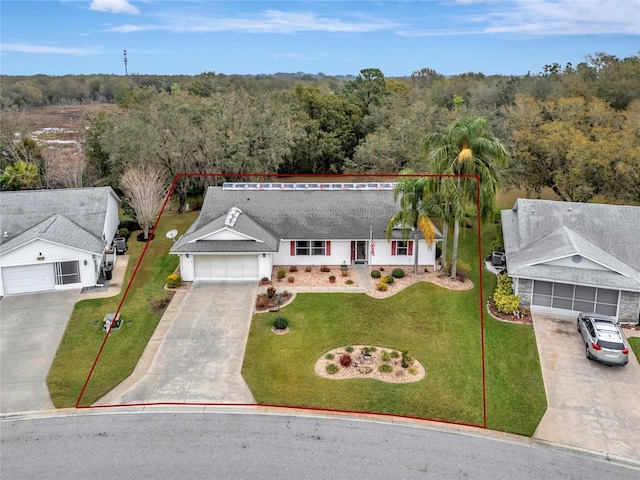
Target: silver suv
x=603 y=339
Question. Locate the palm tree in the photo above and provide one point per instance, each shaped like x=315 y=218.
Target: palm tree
x=467 y=148
x=411 y=218
x=20 y=176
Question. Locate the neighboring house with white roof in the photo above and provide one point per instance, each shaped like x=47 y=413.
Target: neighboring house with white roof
x=55 y=239
x=243 y=230
x=574 y=257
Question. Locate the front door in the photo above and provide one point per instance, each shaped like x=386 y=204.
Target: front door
x=361 y=251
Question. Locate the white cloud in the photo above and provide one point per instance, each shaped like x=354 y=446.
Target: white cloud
x=24 y=48
x=114 y=6
x=539 y=18
x=269 y=21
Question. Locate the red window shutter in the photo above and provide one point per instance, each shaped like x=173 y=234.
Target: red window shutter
x=410 y=243
x=293 y=248
x=393 y=247
x=328 y=248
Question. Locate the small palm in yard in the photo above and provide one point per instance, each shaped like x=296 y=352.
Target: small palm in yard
x=411 y=218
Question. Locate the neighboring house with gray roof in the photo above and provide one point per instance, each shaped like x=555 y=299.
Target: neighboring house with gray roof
x=574 y=257
x=55 y=239
x=241 y=234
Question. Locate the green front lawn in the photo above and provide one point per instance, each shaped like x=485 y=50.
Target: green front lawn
x=140 y=312
x=440 y=327
x=634 y=343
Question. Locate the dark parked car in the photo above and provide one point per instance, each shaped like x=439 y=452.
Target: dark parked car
x=603 y=339
x=120 y=245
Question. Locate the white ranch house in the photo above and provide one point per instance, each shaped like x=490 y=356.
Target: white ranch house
x=55 y=239
x=569 y=257
x=243 y=230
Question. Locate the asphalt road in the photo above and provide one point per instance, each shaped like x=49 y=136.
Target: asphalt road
x=228 y=446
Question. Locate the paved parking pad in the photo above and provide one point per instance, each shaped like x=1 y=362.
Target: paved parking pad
x=31 y=329
x=199 y=360
x=590 y=405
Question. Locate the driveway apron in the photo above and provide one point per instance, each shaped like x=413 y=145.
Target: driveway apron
x=199 y=360
x=31 y=329
x=590 y=405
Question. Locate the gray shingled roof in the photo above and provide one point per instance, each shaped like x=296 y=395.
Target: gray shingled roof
x=73 y=217
x=299 y=215
x=538 y=231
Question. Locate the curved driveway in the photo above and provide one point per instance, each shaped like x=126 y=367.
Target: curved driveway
x=196 y=353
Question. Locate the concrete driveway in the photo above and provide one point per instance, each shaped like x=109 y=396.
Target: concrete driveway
x=31 y=329
x=590 y=405
x=196 y=354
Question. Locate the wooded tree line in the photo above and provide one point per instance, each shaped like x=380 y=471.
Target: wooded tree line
x=575 y=130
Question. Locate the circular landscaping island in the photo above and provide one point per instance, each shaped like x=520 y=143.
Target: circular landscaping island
x=366 y=361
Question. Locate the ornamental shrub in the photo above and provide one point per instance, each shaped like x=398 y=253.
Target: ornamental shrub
x=389 y=279
x=332 y=369
x=394 y=354
x=124 y=233
x=281 y=323
x=174 y=280
x=385 y=368
x=345 y=360
x=382 y=286
x=349 y=349
x=281 y=273
x=329 y=356
x=506 y=302
x=407 y=359
x=375 y=274
x=397 y=273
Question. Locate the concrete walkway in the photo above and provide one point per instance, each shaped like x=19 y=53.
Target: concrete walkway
x=32 y=326
x=590 y=406
x=115 y=284
x=197 y=350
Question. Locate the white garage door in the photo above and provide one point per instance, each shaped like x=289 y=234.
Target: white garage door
x=226 y=267
x=28 y=278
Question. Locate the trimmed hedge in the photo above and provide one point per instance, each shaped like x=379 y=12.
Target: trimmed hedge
x=397 y=273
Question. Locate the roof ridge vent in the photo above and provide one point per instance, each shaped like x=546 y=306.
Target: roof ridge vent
x=232 y=216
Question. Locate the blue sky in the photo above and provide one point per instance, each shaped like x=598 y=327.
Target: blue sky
x=59 y=37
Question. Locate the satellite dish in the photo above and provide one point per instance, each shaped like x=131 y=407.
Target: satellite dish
x=172 y=234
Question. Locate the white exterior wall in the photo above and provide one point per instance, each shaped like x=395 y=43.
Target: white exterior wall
x=187 y=270
x=112 y=220
x=265 y=265
x=426 y=255
x=340 y=252
x=28 y=255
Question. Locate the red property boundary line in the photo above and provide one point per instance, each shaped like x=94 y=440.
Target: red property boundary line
x=272 y=175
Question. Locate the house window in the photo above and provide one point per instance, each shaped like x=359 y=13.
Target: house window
x=67 y=272
x=311 y=247
x=402 y=248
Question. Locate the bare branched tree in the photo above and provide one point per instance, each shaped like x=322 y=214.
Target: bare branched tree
x=144 y=190
x=64 y=166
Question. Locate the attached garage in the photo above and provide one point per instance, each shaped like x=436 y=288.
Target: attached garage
x=574 y=298
x=28 y=278
x=226 y=267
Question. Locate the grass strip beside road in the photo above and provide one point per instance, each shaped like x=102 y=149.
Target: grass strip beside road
x=141 y=312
